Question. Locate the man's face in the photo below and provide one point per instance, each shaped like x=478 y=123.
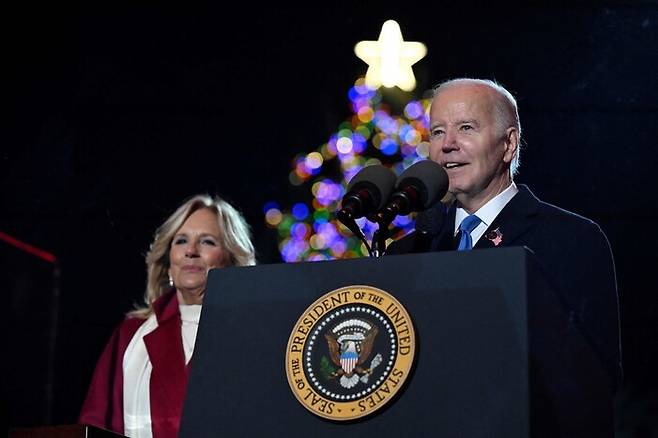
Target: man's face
x=468 y=141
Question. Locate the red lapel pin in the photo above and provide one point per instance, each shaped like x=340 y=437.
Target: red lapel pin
x=495 y=236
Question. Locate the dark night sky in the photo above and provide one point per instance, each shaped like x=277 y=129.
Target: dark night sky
x=121 y=114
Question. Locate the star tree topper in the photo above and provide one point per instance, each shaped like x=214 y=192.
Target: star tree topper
x=390 y=58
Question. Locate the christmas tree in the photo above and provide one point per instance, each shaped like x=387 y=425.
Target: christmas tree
x=308 y=230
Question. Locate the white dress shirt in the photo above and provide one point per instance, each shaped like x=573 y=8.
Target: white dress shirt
x=487 y=213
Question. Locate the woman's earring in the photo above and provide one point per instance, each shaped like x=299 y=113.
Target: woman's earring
x=171 y=281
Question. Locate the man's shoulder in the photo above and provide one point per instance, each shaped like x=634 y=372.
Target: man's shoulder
x=404 y=245
x=551 y=213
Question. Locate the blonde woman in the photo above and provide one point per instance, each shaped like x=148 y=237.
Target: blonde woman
x=140 y=380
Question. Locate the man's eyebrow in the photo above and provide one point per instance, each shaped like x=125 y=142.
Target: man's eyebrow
x=458 y=122
x=471 y=121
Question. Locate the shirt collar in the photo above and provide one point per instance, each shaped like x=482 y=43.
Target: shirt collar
x=488 y=212
x=190 y=312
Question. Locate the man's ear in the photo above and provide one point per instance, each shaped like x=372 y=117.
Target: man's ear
x=511 y=144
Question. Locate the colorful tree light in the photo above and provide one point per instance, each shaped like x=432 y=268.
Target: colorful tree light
x=308 y=231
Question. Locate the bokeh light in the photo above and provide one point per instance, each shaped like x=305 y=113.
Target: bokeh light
x=308 y=230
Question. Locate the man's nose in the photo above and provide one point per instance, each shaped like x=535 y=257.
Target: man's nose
x=449 y=142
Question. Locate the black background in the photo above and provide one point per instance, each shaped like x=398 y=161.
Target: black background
x=118 y=114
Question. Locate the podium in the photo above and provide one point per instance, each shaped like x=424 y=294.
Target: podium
x=496 y=355
x=63 y=431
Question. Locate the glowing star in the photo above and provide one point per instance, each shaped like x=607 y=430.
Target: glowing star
x=390 y=58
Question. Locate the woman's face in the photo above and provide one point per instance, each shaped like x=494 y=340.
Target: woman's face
x=195 y=249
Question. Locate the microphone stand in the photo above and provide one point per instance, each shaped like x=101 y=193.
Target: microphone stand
x=345 y=216
x=379 y=242
x=383 y=220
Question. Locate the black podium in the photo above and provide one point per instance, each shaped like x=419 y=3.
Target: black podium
x=62 y=431
x=495 y=354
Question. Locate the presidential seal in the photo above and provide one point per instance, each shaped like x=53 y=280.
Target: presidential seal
x=350 y=352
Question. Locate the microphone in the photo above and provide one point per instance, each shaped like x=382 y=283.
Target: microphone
x=418 y=188
x=367 y=192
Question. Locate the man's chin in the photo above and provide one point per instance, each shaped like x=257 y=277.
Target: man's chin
x=456 y=191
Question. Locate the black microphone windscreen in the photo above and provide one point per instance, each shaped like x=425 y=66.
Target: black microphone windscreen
x=378 y=180
x=429 y=178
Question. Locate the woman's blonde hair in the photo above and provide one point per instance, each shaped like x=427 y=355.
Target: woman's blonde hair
x=235 y=239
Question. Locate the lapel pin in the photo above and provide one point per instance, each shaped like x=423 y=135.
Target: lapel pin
x=495 y=236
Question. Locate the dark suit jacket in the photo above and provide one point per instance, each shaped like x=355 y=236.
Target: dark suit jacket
x=572 y=250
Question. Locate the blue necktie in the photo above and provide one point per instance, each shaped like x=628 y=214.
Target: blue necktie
x=468 y=224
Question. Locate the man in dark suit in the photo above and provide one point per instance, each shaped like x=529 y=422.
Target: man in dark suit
x=475 y=135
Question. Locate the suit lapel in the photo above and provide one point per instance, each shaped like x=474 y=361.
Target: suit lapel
x=169 y=375
x=512 y=221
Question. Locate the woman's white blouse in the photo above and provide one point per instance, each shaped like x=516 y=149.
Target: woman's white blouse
x=137 y=371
